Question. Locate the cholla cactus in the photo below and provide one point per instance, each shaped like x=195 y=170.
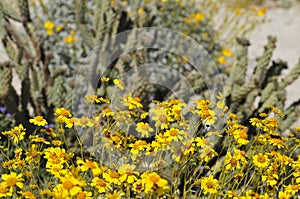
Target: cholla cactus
x=248 y=95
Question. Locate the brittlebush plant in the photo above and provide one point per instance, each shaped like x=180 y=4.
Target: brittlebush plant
x=149 y=154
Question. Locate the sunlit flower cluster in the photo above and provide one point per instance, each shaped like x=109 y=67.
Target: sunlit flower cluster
x=138 y=153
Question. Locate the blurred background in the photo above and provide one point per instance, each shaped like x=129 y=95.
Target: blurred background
x=43 y=43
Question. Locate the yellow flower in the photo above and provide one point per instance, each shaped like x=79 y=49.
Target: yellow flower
x=297 y=128
x=296 y=163
x=226 y=52
x=174 y=134
x=284 y=195
x=72 y=184
x=231 y=162
x=221 y=59
x=292 y=189
x=272 y=121
x=203 y=104
x=232 y=194
x=107 y=112
x=270 y=180
x=36 y=138
x=48 y=25
x=264 y=196
x=185 y=59
x=70 y=39
x=60 y=119
x=112 y=177
x=38 y=120
x=140 y=10
x=17 y=133
x=251 y=194
x=278 y=112
x=13 y=179
x=261 y=160
x=273 y=171
x=199 y=17
x=127 y=173
x=296 y=174
x=269 y=124
x=101 y=100
x=161 y=141
x=59 y=28
x=194 y=18
x=240 y=134
x=49 y=131
x=4 y=190
x=105 y=79
x=209 y=185
x=115 y=195
x=161 y=117
x=144 y=129
x=278 y=143
x=62 y=112
x=261 y=12
x=58 y=192
x=187 y=20
x=204 y=112
x=119 y=84
x=205 y=35
x=18 y=152
x=144 y=115
x=27 y=194
x=200 y=142
x=255 y=122
x=56 y=169
x=33 y=154
x=137 y=186
x=176 y=112
x=221 y=104
x=285 y=160
x=84 y=195
x=56 y=156
x=233 y=116
x=237 y=11
x=56 y=142
x=83 y=122
x=45 y=192
x=132 y=102
x=263 y=114
x=70 y=122
x=49 y=31
x=100 y=184
x=207 y=153
x=153 y=183
x=116 y=139
x=93 y=166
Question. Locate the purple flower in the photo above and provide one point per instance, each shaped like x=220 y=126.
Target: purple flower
x=8 y=115
x=49 y=126
x=2 y=109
